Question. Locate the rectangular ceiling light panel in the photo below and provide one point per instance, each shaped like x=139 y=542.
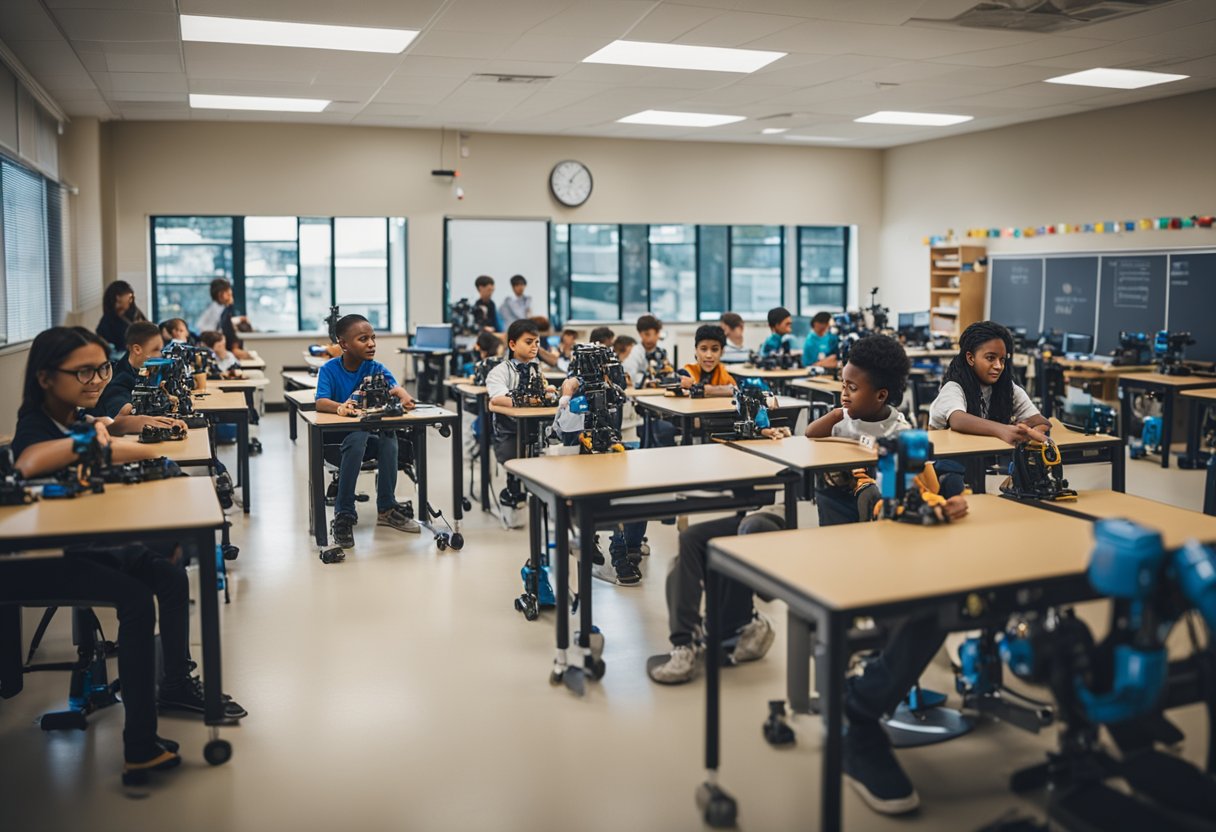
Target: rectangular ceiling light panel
x=915 y=119
x=302 y=35
x=1116 y=79
x=679 y=56
x=257 y=102
x=669 y=118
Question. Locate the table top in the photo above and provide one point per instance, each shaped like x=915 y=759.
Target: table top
x=194 y=449
x=921 y=352
x=1104 y=367
x=301 y=378
x=809 y=454
x=213 y=402
x=255 y=363
x=419 y=414
x=948 y=443
x=641 y=392
x=317 y=361
x=857 y=566
x=1169 y=381
x=524 y=412
x=710 y=405
x=452 y=381
x=820 y=384
x=748 y=371
x=470 y=389
x=302 y=397
x=1208 y=393
x=250 y=383
x=649 y=469
x=1177 y=525
x=164 y=505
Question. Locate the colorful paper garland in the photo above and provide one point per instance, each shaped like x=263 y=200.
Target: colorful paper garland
x=1103 y=227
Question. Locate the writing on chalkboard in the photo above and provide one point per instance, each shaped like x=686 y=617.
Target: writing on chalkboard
x=1133 y=282
x=1019 y=275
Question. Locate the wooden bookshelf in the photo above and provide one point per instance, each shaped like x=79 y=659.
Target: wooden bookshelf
x=958 y=286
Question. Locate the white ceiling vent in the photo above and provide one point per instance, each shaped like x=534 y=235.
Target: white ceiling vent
x=509 y=78
x=1049 y=15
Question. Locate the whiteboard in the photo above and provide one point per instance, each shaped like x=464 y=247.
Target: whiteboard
x=501 y=249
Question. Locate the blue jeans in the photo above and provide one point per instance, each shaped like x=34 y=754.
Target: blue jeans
x=627 y=536
x=355 y=445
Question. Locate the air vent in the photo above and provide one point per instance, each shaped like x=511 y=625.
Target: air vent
x=1049 y=15
x=504 y=78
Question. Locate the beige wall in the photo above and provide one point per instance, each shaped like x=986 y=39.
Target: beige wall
x=1142 y=160
x=275 y=169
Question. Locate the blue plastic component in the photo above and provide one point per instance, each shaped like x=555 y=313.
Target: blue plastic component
x=1196 y=569
x=1161 y=344
x=975 y=675
x=1126 y=561
x=1018 y=653
x=579 y=404
x=1139 y=679
x=544 y=590
x=754 y=384
x=762 y=420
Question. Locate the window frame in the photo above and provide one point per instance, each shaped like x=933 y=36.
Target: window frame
x=846 y=258
x=730 y=266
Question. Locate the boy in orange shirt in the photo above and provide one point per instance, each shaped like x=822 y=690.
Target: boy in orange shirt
x=708 y=369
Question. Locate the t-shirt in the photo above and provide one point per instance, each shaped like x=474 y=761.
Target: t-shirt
x=505 y=377
x=777 y=343
x=209 y=321
x=118 y=392
x=851 y=428
x=719 y=377
x=228 y=328
x=514 y=308
x=485 y=314
x=952 y=399
x=732 y=354
x=819 y=347
x=113 y=329
x=336 y=383
x=635 y=364
x=36 y=426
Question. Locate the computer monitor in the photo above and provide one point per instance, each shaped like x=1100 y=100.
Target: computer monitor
x=1076 y=343
x=801 y=327
x=551 y=342
x=914 y=326
x=433 y=337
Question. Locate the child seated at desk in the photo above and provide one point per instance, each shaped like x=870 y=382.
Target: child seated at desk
x=979 y=396
x=175 y=329
x=602 y=335
x=143 y=342
x=622 y=346
x=736 y=351
x=780 y=339
x=224 y=359
x=337 y=381
x=523 y=340
x=66 y=373
x=819 y=349
x=707 y=371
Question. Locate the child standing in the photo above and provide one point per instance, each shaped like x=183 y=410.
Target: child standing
x=735 y=352
x=819 y=349
x=518 y=305
x=523 y=341
x=485 y=312
x=780 y=322
x=336 y=382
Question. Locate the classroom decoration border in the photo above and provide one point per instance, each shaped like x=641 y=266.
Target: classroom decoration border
x=1103 y=227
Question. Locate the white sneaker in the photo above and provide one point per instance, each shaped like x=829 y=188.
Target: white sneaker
x=677 y=667
x=755 y=639
x=512 y=517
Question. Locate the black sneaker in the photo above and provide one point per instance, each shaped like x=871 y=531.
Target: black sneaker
x=187 y=695
x=623 y=572
x=343 y=531
x=874 y=773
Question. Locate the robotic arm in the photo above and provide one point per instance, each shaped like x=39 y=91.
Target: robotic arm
x=1036 y=473
x=599 y=399
x=906 y=480
x=751 y=399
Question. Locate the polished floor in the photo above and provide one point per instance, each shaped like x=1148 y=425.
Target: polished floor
x=400 y=691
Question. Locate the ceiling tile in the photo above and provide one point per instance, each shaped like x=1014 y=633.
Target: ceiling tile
x=97 y=24
x=120 y=62
x=453 y=44
x=503 y=18
x=119 y=97
x=423 y=66
x=641 y=75
x=805 y=70
x=114 y=5
x=1118 y=54
x=737 y=28
x=1036 y=49
x=1155 y=21
x=141 y=81
x=909 y=42
x=26 y=21
x=670 y=20
x=594 y=17
x=535 y=47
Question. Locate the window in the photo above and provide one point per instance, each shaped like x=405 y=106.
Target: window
x=823 y=268
x=559 y=273
x=635 y=271
x=673 y=272
x=285 y=271
x=757 y=268
x=713 y=255
x=595 y=272
x=27 y=275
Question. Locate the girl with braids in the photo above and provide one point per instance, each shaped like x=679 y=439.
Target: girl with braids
x=978 y=394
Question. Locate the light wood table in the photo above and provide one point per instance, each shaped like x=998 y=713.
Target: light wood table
x=195 y=449
x=254 y=363
x=317 y=361
x=588 y=491
x=1196 y=402
x=230 y=408
x=692 y=414
x=778 y=379
x=297 y=400
x=921 y=352
x=892 y=569
x=299 y=380
x=1166 y=388
x=639 y=392
x=183 y=510
x=416 y=423
x=1177 y=525
x=809 y=456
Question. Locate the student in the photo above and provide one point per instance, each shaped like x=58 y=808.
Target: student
x=485 y=313
x=602 y=335
x=622 y=346
x=734 y=352
x=118 y=312
x=143 y=342
x=518 y=305
x=488 y=345
x=708 y=369
x=221 y=316
x=337 y=381
x=565 y=348
x=224 y=359
x=647 y=356
x=66 y=373
x=523 y=339
x=547 y=356
x=175 y=329
x=780 y=322
x=819 y=349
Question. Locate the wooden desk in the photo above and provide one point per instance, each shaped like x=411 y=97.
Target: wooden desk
x=1196 y=402
x=638 y=392
x=1166 y=388
x=779 y=380
x=1177 y=525
x=195 y=449
x=317 y=361
x=297 y=400
x=823 y=392
x=590 y=491
x=230 y=408
x=523 y=412
x=690 y=413
x=1075 y=448
x=415 y=422
x=254 y=363
x=183 y=509
x=465 y=391
x=809 y=454
x=891 y=569
x=297 y=380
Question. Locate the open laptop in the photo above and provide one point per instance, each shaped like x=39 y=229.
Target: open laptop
x=432 y=338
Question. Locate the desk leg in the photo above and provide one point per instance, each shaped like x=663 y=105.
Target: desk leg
x=798 y=664
x=718 y=808
x=484 y=428
x=458 y=474
x=791 y=504
x=316 y=486
x=976 y=474
x=1193 y=425
x=644 y=439
x=418 y=436
x=292 y=410
x=586 y=545
x=1167 y=426
x=833 y=710
x=1118 y=467
x=209 y=608
x=1126 y=396
x=561 y=551
x=686 y=423
x=242 y=456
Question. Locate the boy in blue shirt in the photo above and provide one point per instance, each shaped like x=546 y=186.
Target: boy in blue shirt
x=819 y=349
x=780 y=322
x=336 y=383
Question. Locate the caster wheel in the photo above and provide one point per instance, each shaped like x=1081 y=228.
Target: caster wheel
x=556 y=677
x=445 y=431
x=466 y=504
x=231 y=552
x=441 y=543
x=527 y=606
x=217 y=752
x=719 y=809
x=135 y=778
x=457 y=541
x=334 y=555
x=597 y=669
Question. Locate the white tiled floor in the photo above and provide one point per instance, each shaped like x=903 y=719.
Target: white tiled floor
x=401 y=691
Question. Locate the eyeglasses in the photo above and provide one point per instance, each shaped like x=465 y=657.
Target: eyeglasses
x=86 y=374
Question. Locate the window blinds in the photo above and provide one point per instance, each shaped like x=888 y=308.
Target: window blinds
x=26 y=261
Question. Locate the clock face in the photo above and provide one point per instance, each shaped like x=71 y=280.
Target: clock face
x=570 y=182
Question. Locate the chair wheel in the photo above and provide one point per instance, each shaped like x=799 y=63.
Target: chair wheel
x=466 y=504
x=597 y=669
x=719 y=809
x=457 y=541
x=441 y=542
x=217 y=752
x=333 y=555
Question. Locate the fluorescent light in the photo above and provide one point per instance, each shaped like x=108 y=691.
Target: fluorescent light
x=679 y=56
x=772 y=131
x=668 y=118
x=919 y=119
x=1118 y=79
x=257 y=102
x=303 y=35
x=795 y=137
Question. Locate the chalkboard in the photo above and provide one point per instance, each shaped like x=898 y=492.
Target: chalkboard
x=1192 y=305
x=1132 y=296
x=1017 y=294
x=1070 y=291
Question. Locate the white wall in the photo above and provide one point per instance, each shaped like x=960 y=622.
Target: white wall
x=1143 y=160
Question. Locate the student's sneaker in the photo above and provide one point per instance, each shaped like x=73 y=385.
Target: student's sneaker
x=678 y=667
x=159 y=757
x=755 y=639
x=187 y=695
x=597 y=553
x=512 y=507
x=342 y=530
x=874 y=773
x=398 y=517
x=622 y=572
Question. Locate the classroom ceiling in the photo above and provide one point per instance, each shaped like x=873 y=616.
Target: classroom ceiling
x=125 y=59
